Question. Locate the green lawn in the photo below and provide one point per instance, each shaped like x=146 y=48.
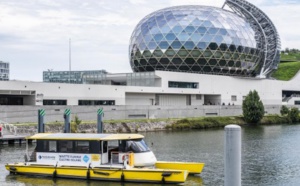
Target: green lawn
x=290 y=57
x=286 y=71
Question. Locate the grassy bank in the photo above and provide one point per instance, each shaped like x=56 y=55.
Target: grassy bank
x=286 y=71
x=184 y=124
x=216 y=122
x=292 y=56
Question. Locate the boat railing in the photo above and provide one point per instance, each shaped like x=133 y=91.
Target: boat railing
x=10 y=128
x=117 y=157
x=114 y=157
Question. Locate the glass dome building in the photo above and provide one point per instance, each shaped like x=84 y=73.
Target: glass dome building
x=196 y=39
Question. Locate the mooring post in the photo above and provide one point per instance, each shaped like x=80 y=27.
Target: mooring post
x=232 y=153
x=41 y=114
x=67 y=121
x=99 y=121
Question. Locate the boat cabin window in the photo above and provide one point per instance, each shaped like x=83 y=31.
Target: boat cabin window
x=46 y=146
x=137 y=146
x=52 y=146
x=104 y=146
x=65 y=146
x=82 y=147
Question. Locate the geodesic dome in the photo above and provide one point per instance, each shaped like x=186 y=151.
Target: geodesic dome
x=198 y=39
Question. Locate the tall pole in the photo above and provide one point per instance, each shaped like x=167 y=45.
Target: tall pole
x=70 y=60
x=232 y=150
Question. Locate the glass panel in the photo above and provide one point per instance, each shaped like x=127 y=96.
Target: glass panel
x=176 y=45
x=163 y=45
x=189 y=45
x=170 y=37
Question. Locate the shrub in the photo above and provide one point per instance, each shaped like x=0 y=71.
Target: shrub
x=74 y=125
x=284 y=110
x=293 y=115
x=253 y=108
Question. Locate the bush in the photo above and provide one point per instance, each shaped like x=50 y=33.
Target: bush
x=253 y=108
x=293 y=115
x=284 y=110
x=74 y=125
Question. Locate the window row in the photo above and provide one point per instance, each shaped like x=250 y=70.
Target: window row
x=176 y=84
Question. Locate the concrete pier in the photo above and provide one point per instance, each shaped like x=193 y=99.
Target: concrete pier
x=12 y=139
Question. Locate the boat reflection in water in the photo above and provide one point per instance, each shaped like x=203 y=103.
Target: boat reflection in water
x=45 y=181
x=106 y=157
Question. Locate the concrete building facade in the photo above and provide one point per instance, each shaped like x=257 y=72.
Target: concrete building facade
x=169 y=88
x=4 y=71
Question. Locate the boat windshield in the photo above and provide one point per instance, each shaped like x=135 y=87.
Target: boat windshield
x=137 y=146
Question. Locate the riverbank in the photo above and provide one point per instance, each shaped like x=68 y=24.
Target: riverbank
x=144 y=125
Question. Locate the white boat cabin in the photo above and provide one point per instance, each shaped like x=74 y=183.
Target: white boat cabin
x=82 y=149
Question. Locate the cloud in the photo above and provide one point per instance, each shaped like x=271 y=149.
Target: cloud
x=34 y=34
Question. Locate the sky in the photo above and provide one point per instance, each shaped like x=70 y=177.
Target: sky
x=35 y=34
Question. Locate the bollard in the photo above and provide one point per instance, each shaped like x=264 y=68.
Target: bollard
x=67 y=121
x=99 y=121
x=41 y=114
x=232 y=154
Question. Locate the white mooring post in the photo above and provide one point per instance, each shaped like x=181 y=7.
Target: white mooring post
x=232 y=153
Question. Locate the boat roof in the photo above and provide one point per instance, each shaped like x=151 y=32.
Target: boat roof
x=84 y=136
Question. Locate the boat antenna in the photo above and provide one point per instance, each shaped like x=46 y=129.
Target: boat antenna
x=69 y=60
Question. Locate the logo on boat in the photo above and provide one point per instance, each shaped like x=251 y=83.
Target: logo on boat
x=46 y=157
x=86 y=158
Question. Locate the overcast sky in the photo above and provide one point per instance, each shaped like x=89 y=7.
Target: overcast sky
x=34 y=34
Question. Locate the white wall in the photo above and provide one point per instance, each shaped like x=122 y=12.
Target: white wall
x=168 y=99
x=270 y=91
x=139 y=99
x=195 y=101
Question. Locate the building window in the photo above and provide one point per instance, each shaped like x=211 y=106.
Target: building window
x=198 y=97
x=54 y=102
x=96 y=102
x=297 y=102
x=177 y=84
x=233 y=98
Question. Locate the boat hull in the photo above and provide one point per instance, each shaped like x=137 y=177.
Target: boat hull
x=102 y=173
x=192 y=167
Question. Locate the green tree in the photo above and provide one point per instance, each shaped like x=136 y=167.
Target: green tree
x=293 y=115
x=253 y=108
x=284 y=110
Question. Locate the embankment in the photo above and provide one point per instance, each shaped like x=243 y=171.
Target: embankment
x=132 y=126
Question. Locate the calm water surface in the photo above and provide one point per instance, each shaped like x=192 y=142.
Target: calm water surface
x=270 y=156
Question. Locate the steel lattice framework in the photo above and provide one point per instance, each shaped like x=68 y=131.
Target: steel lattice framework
x=266 y=35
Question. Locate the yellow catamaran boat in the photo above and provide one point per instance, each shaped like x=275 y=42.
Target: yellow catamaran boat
x=110 y=157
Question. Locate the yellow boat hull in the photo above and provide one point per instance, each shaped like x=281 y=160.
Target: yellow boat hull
x=102 y=173
x=192 y=167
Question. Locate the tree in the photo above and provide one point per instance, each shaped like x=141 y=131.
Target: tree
x=253 y=108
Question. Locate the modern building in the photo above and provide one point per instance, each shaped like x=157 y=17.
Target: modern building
x=4 y=71
x=207 y=40
x=186 y=55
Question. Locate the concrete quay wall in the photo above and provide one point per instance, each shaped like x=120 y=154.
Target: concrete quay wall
x=27 y=114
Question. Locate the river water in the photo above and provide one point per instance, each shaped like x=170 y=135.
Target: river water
x=270 y=156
